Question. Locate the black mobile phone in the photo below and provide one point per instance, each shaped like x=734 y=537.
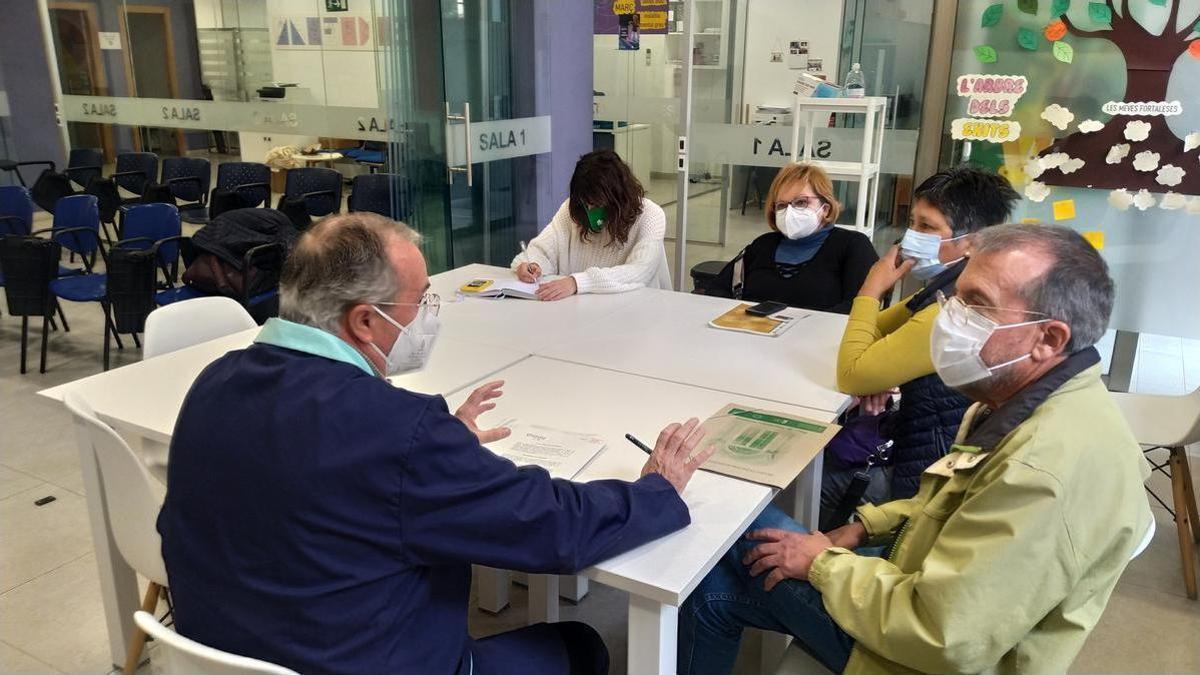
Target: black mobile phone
x=766 y=308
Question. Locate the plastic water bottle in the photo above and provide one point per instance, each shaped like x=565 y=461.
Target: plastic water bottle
x=855 y=86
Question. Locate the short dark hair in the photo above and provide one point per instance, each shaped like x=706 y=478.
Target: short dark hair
x=970 y=198
x=1076 y=288
x=601 y=178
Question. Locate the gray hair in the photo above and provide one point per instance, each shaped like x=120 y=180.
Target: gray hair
x=340 y=262
x=1076 y=289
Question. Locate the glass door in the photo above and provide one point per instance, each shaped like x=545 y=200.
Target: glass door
x=460 y=135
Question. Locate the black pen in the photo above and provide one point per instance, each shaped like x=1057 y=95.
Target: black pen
x=635 y=441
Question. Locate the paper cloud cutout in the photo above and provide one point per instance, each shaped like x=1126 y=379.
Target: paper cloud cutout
x=1071 y=165
x=1169 y=174
x=1191 y=141
x=1117 y=153
x=1172 y=201
x=1120 y=199
x=1145 y=161
x=1034 y=168
x=1090 y=126
x=1060 y=117
x=1137 y=130
x=1193 y=206
x=1054 y=160
x=1143 y=200
x=1037 y=191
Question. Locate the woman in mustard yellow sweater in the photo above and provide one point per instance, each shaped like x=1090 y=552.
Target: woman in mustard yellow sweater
x=885 y=349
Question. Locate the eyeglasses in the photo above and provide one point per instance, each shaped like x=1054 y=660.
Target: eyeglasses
x=432 y=301
x=960 y=318
x=802 y=202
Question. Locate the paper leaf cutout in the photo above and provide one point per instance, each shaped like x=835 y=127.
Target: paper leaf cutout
x=1143 y=199
x=1059 y=116
x=1071 y=165
x=1055 y=160
x=985 y=54
x=1090 y=126
x=1120 y=199
x=1064 y=52
x=1194 y=48
x=1117 y=153
x=1169 y=174
x=1034 y=168
x=1160 y=3
x=1027 y=6
x=1191 y=141
x=1146 y=161
x=991 y=15
x=1055 y=30
x=1037 y=191
x=1172 y=201
x=1027 y=39
x=1137 y=130
x=1059 y=7
x=1099 y=12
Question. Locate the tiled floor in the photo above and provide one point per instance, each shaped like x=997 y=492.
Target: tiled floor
x=51 y=615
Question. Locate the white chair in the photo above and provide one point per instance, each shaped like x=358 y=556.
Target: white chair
x=1171 y=423
x=186 y=656
x=133 y=499
x=189 y=322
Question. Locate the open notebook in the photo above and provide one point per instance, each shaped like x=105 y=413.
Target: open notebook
x=496 y=288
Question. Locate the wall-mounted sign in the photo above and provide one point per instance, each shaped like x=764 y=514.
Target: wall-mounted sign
x=993 y=131
x=991 y=95
x=109 y=40
x=337 y=5
x=1165 y=108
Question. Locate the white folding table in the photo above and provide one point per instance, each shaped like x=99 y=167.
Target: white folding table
x=659 y=575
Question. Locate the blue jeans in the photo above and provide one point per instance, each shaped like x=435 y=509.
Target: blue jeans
x=729 y=599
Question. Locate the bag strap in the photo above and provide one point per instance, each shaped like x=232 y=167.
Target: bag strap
x=739 y=274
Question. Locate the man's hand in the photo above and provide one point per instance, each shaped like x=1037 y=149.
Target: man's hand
x=787 y=554
x=557 y=289
x=850 y=535
x=672 y=450
x=529 y=272
x=885 y=273
x=873 y=404
x=477 y=404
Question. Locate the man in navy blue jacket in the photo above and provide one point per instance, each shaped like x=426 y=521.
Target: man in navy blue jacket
x=320 y=518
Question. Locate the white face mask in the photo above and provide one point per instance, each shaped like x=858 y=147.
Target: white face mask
x=926 y=249
x=795 y=223
x=413 y=345
x=959 y=335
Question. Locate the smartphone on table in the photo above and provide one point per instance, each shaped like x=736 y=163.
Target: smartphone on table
x=766 y=308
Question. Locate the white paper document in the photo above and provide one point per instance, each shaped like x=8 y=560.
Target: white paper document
x=562 y=453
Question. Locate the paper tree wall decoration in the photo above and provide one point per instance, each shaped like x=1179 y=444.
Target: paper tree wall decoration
x=1149 y=59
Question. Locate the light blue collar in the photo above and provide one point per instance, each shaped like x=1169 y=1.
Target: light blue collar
x=310 y=340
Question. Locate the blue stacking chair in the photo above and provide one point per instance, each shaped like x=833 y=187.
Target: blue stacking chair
x=84 y=164
x=382 y=193
x=372 y=154
x=320 y=188
x=135 y=170
x=146 y=225
x=188 y=179
x=250 y=181
x=16 y=210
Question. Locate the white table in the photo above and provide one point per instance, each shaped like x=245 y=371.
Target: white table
x=528 y=325
x=660 y=575
x=142 y=401
x=664 y=334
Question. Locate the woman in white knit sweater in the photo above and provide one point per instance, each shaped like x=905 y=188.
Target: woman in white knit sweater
x=606 y=238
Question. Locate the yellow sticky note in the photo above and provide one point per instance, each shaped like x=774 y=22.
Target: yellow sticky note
x=1064 y=209
x=1095 y=238
x=1031 y=220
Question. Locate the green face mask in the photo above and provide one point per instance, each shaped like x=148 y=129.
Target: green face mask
x=596 y=216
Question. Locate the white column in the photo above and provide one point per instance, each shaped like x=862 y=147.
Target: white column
x=653 y=630
x=56 y=91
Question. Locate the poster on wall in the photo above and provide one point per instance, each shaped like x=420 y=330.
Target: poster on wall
x=654 y=17
x=628 y=36
x=1126 y=144
x=322 y=32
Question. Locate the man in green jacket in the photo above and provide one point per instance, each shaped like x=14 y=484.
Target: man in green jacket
x=1007 y=555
